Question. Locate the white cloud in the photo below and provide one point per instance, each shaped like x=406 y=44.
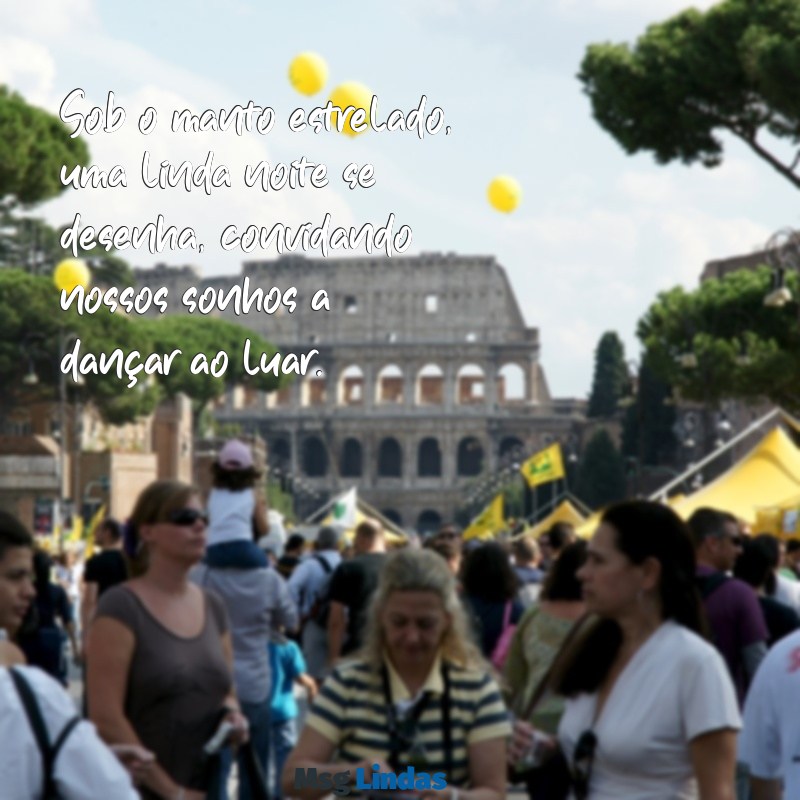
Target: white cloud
x=654 y=9
x=28 y=67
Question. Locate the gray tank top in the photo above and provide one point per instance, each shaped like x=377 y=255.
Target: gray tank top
x=176 y=685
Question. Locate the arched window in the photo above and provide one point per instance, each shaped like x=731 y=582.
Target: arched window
x=389 y=385
x=429 y=458
x=315 y=457
x=470 y=385
x=470 y=457
x=430 y=386
x=392 y=515
x=351 y=465
x=510 y=384
x=351 y=386
x=429 y=521
x=390 y=459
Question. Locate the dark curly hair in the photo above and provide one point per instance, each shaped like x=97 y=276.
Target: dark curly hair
x=487 y=574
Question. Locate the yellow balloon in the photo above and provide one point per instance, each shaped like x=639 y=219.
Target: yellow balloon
x=71 y=272
x=351 y=94
x=308 y=73
x=504 y=193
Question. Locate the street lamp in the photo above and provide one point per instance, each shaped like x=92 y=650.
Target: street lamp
x=783 y=253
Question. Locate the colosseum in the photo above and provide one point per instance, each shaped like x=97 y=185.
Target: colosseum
x=427 y=381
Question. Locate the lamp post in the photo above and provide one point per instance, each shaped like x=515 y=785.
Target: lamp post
x=783 y=254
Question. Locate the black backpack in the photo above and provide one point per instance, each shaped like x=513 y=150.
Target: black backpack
x=322 y=604
x=49 y=752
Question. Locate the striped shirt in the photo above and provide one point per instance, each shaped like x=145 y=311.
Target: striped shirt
x=350 y=711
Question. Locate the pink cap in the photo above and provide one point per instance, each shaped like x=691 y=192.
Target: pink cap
x=235 y=455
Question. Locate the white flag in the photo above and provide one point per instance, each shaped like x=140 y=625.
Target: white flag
x=344 y=510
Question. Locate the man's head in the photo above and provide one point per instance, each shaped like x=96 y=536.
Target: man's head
x=295 y=545
x=328 y=538
x=555 y=539
x=792 y=557
x=369 y=537
x=526 y=551
x=16 y=572
x=717 y=538
x=109 y=534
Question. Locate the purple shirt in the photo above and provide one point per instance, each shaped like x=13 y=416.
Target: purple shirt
x=736 y=621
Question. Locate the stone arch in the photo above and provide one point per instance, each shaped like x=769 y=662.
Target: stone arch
x=470 y=385
x=315 y=457
x=469 y=461
x=512 y=448
x=280 y=452
x=314 y=389
x=351 y=386
x=389 y=385
x=390 y=458
x=351 y=463
x=429 y=386
x=428 y=521
x=510 y=384
x=429 y=458
x=393 y=516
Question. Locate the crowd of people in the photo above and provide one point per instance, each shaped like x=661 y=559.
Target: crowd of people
x=658 y=660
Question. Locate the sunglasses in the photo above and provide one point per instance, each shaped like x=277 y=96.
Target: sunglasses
x=582 y=762
x=187 y=516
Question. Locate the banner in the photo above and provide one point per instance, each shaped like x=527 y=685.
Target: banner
x=344 y=512
x=488 y=522
x=544 y=466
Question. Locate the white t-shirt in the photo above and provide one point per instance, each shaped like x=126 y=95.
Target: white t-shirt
x=230 y=515
x=85 y=768
x=770 y=740
x=675 y=688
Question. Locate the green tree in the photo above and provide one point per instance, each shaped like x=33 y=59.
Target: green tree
x=601 y=477
x=33 y=147
x=611 y=381
x=207 y=335
x=720 y=341
x=697 y=75
x=34 y=328
x=31 y=244
x=647 y=430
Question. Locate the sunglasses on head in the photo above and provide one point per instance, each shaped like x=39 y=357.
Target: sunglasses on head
x=187 y=516
x=582 y=762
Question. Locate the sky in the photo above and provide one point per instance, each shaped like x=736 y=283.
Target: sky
x=597 y=235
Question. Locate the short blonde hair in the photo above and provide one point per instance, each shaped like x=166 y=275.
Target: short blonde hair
x=414 y=570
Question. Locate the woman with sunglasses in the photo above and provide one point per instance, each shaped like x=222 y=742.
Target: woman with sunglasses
x=651 y=711
x=159 y=655
x=417 y=695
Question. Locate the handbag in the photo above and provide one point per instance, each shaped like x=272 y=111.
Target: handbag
x=503 y=644
x=49 y=752
x=255 y=774
x=552 y=780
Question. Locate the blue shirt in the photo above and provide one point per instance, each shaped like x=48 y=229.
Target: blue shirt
x=286 y=662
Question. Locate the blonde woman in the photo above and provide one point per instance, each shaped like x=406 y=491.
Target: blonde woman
x=417 y=694
x=159 y=653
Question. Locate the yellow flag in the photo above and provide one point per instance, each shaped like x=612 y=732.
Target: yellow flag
x=544 y=466
x=76 y=534
x=488 y=522
x=98 y=517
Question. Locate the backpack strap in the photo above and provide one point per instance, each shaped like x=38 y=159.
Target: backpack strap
x=48 y=752
x=323 y=563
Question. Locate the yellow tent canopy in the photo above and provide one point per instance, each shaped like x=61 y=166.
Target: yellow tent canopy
x=589 y=525
x=565 y=511
x=764 y=478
